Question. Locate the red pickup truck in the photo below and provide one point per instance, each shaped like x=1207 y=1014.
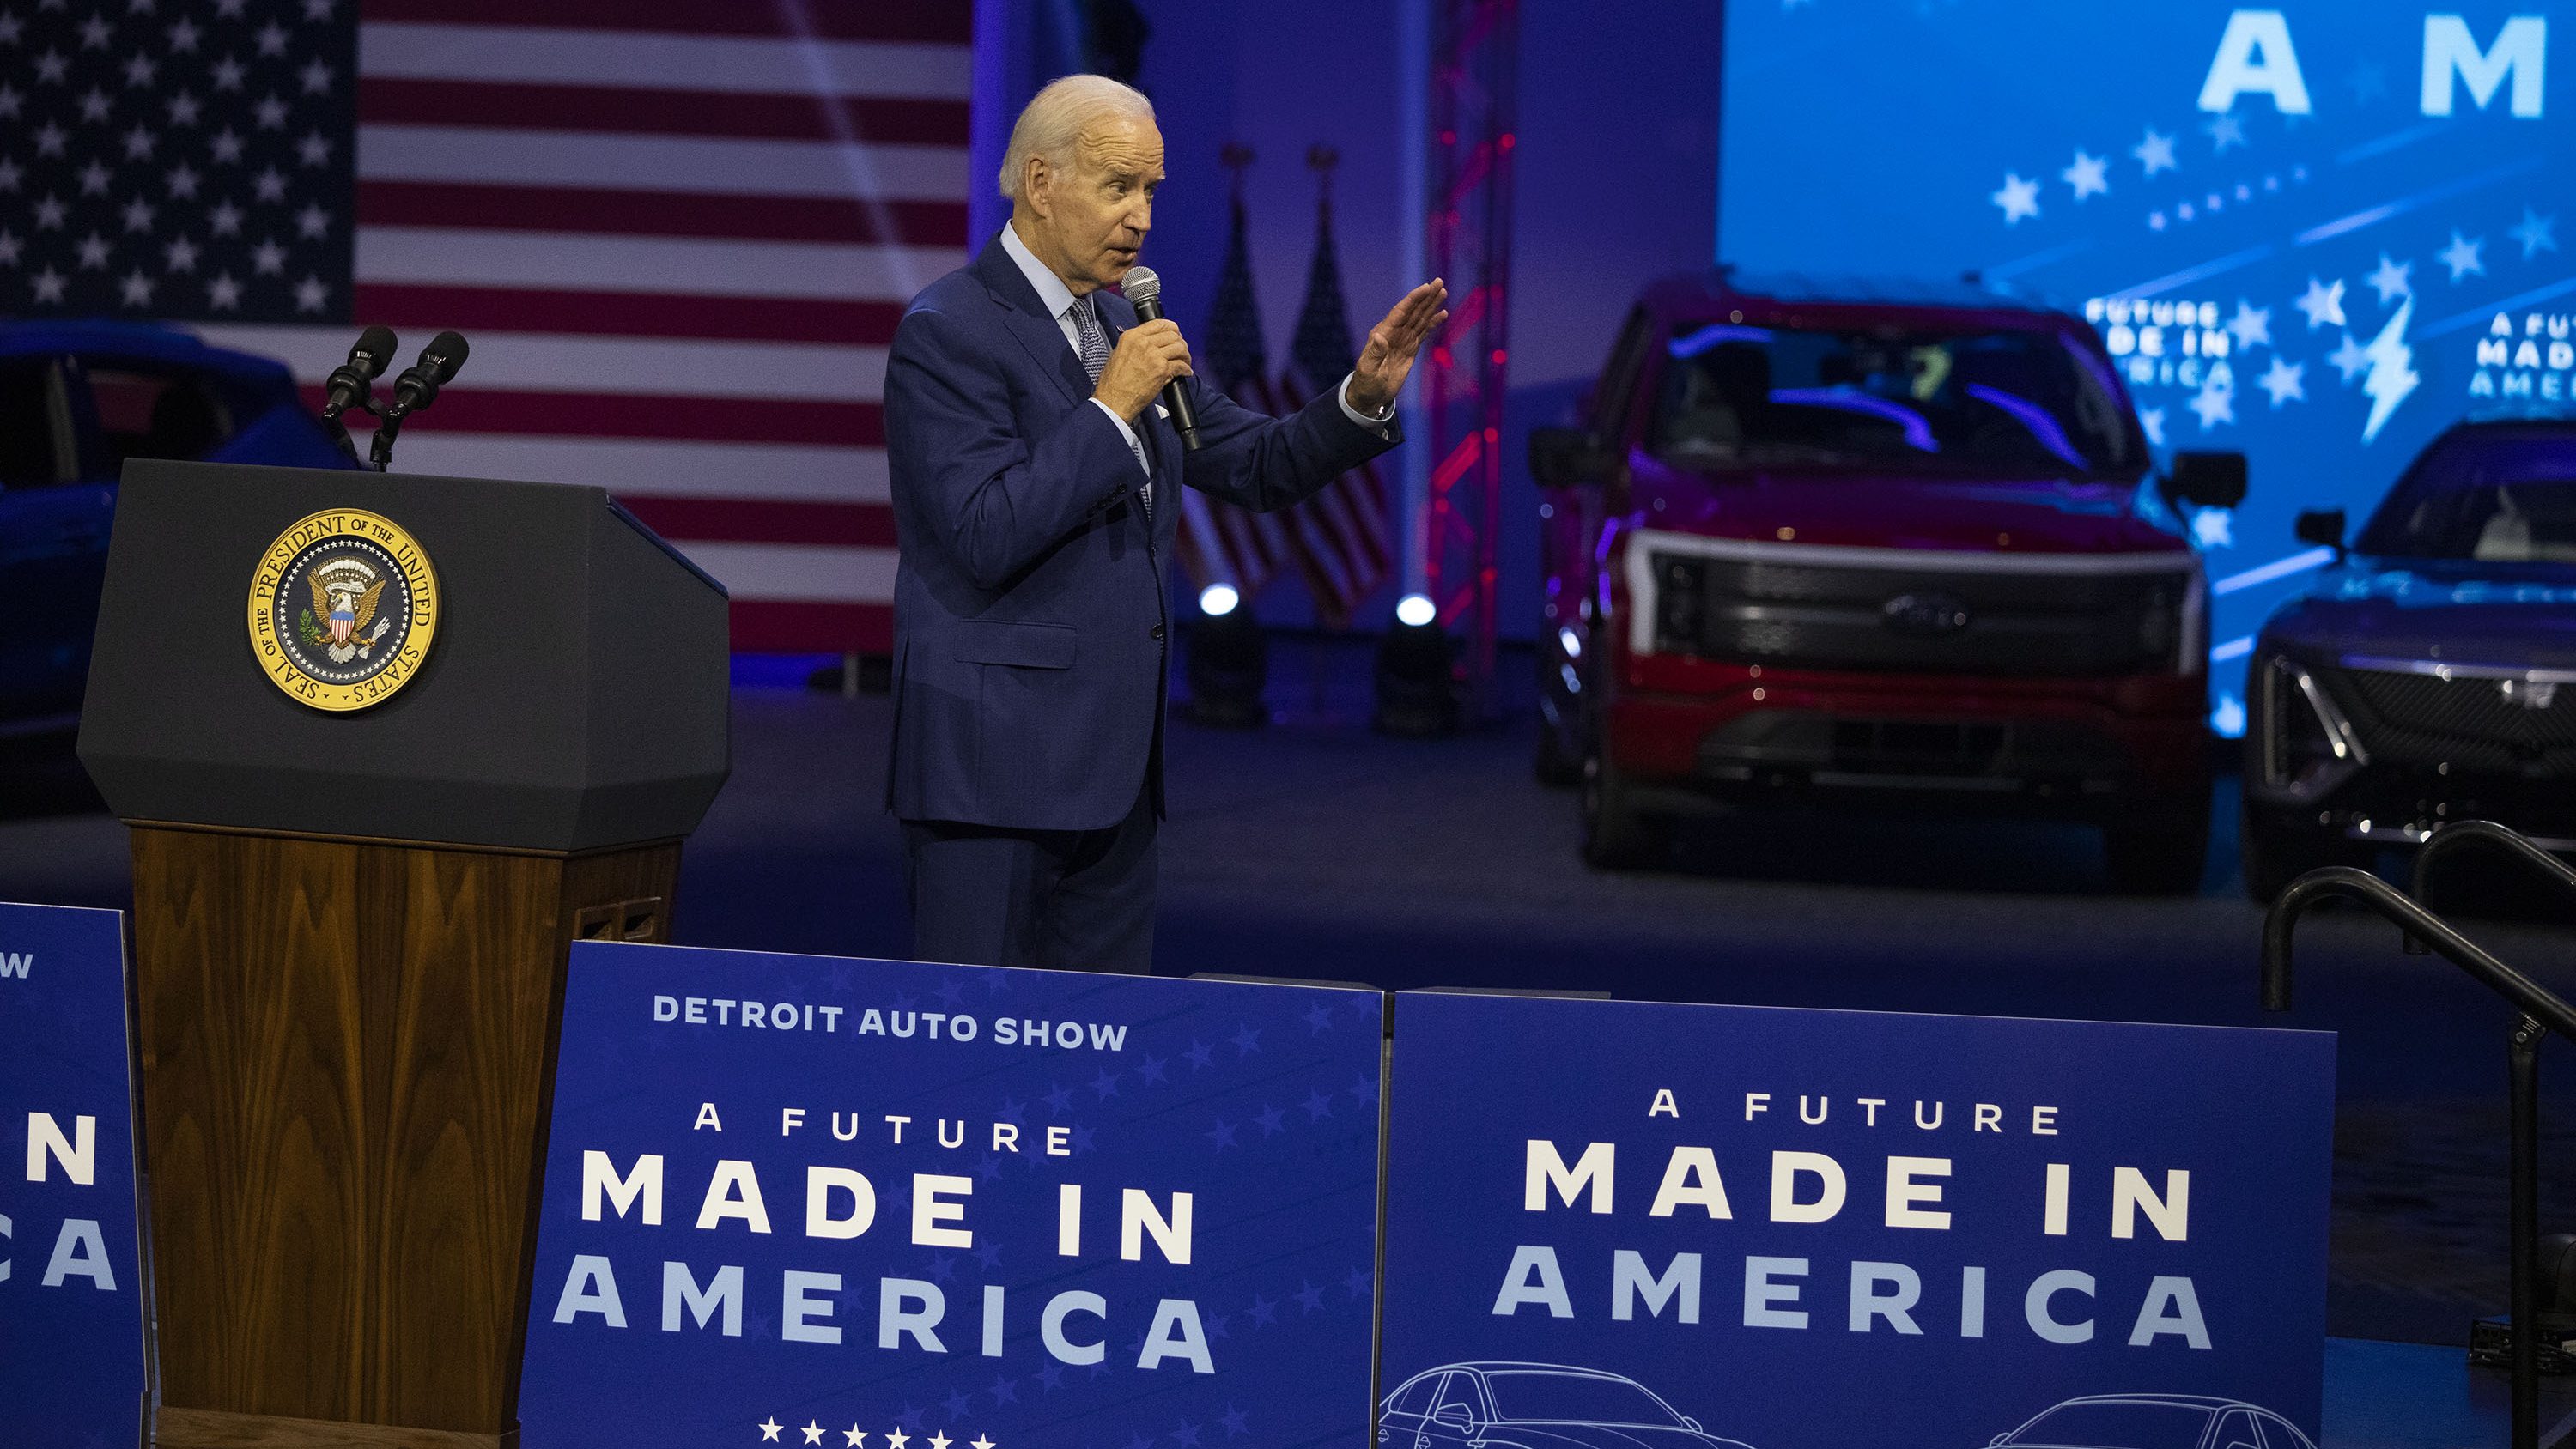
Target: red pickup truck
x=1831 y=542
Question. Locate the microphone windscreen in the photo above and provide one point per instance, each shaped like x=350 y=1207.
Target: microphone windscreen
x=1142 y=286
x=445 y=354
x=374 y=350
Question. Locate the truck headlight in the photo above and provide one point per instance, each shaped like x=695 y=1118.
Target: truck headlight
x=1681 y=603
x=2303 y=744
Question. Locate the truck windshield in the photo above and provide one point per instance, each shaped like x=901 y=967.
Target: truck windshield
x=2491 y=500
x=2014 y=402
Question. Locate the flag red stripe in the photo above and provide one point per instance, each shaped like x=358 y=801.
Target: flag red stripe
x=748 y=520
x=629 y=314
x=783 y=627
x=870 y=20
x=393 y=100
x=660 y=213
x=607 y=415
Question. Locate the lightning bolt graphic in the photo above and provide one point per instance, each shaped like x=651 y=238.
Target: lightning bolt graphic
x=2392 y=370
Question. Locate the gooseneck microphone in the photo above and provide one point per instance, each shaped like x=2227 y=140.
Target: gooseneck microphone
x=1145 y=291
x=351 y=383
x=417 y=388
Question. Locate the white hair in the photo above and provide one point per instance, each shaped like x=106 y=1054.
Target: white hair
x=1055 y=118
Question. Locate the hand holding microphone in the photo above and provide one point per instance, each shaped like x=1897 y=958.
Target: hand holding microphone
x=1150 y=358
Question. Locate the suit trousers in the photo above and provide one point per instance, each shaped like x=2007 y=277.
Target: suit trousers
x=1074 y=900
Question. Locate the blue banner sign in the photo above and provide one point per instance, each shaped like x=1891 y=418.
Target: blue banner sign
x=1626 y=1223
x=71 y=1294
x=884 y=1205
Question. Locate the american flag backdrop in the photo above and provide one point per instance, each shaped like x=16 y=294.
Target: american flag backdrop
x=1218 y=542
x=678 y=233
x=1341 y=535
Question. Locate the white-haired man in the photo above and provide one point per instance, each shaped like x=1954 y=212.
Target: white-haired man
x=1035 y=488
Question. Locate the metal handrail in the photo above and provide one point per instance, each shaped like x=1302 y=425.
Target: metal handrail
x=2542 y=1012
x=2534 y=1000
x=2487 y=832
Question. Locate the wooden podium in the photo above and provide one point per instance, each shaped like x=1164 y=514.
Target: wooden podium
x=350 y=927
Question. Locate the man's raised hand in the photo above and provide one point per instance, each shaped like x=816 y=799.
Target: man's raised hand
x=1148 y=356
x=1383 y=363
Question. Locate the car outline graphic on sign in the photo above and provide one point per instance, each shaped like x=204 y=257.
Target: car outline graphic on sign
x=2098 y=1421
x=1495 y=1413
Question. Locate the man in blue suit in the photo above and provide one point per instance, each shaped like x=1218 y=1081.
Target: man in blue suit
x=1033 y=476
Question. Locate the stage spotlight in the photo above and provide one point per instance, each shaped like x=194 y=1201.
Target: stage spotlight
x=1417 y=692
x=1229 y=662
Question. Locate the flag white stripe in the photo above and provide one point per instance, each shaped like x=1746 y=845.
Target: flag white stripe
x=724 y=165
x=763 y=472
x=648 y=366
x=797 y=572
x=581 y=262
x=748 y=65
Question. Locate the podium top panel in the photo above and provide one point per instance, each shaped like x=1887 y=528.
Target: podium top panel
x=447 y=660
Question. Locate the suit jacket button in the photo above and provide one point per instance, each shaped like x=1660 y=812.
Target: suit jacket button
x=1158 y=631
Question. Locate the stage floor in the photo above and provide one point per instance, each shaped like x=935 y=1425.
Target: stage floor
x=2410 y=1396
x=1315 y=848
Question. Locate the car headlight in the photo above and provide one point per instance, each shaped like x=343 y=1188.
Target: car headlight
x=1681 y=603
x=2304 y=745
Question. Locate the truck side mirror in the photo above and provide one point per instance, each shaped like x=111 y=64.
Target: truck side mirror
x=1563 y=457
x=2322 y=527
x=2207 y=480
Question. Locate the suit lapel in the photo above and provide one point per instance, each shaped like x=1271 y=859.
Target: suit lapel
x=1041 y=335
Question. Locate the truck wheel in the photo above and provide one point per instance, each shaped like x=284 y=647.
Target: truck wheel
x=2160 y=851
x=2274 y=857
x=1616 y=834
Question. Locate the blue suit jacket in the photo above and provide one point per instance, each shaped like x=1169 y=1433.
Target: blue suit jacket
x=1029 y=617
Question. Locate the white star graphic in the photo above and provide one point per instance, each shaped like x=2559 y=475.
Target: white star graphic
x=896 y=1439
x=183 y=36
x=49 y=139
x=2349 y=359
x=137 y=288
x=271 y=113
x=139 y=71
x=227 y=145
x=2156 y=153
x=2390 y=280
x=2225 y=131
x=317 y=9
x=312 y=223
x=228 y=74
x=940 y=1441
x=852 y=1437
x=269 y=257
x=93 y=180
x=183 y=182
x=2153 y=421
x=10 y=100
x=229 y=9
x=180 y=255
x=49 y=213
x=2537 y=233
x=138 y=7
x=2185 y=212
x=769 y=1428
x=314 y=149
x=2251 y=326
x=93 y=252
x=183 y=109
x=2323 y=304
x=813 y=1431
x=2018 y=198
x=2213 y=528
x=2462 y=256
x=2155 y=221
x=9 y=245
x=310 y=294
x=2086 y=175
x=2216 y=202
x=226 y=219
x=269 y=184
x=10 y=174
x=138 y=143
x=223 y=294
x=980 y=1442
x=138 y=215
x=272 y=39
x=2215 y=405
x=9 y=27
x=94 y=104
x=2285 y=380
x=316 y=78
x=94 y=34
x=49 y=285
x=51 y=65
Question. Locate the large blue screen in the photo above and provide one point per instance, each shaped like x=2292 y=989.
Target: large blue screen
x=2316 y=233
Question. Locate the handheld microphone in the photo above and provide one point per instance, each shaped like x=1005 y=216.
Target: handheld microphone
x=418 y=387
x=351 y=383
x=1145 y=291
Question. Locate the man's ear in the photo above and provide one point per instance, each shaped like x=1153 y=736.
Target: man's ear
x=1035 y=176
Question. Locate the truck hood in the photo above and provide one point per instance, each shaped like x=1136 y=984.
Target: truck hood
x=2514 y=617
x=1886 y=510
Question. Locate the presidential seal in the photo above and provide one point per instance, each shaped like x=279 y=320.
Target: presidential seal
x=342 y=610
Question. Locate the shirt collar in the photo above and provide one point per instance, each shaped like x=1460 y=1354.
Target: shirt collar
x=1053 y=294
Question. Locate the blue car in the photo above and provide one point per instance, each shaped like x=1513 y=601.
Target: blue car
x=77 y=399
x=1533 y=1406
x=2430 y=674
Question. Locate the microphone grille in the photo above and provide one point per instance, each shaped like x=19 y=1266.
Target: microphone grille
x=1141 y=285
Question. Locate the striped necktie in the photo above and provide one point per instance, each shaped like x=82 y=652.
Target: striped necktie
x=1093 y=340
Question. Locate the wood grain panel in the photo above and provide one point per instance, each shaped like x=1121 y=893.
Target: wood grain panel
x=348 y=1050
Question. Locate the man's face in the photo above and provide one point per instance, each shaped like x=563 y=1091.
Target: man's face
x=1094 y=217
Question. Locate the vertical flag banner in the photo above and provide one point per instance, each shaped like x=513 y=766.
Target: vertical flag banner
x=72 y=1306
x=679 y=234
x=1218 y=542
x=1342 y=534
x=2317 y=232
x=885 y=1205
x=1702 y=1226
